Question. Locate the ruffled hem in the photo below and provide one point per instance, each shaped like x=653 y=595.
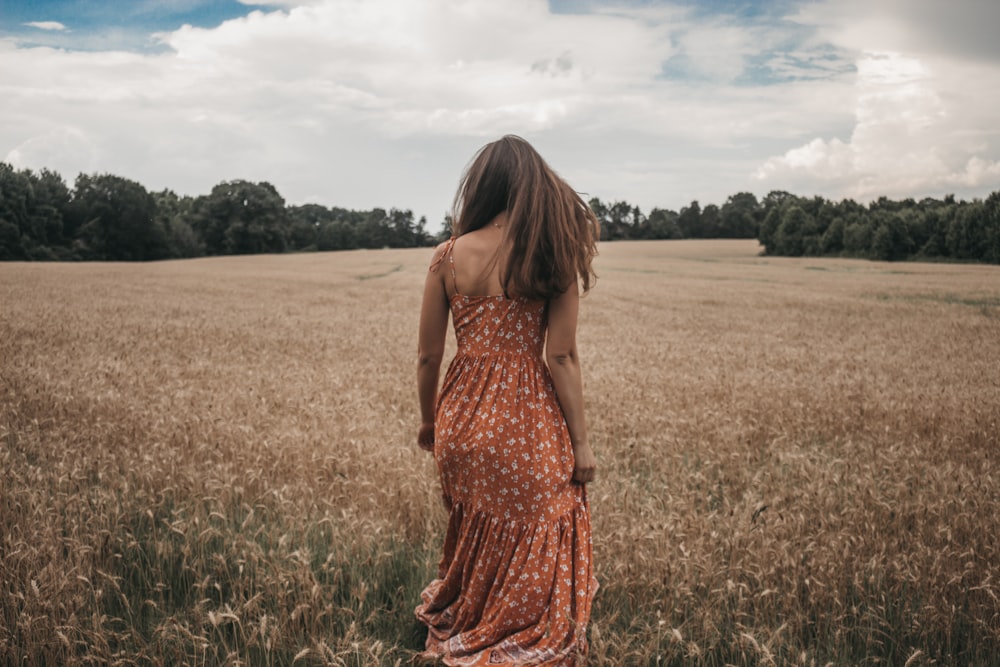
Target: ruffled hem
x=511 y=592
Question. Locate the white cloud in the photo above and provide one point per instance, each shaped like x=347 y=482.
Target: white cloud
x=46 y=25
x=718 y=51
x=958 y=28
x=280 y=94
x=382 y=102
x=921 y=125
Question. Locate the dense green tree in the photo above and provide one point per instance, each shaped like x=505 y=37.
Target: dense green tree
x=374 y=231
x=115 y=220
x=662 y=224
x=935 y=244
x=891 y=240
x=51 y=198
x=788 y=237
x=812 y=240
x=619 y=220
x=240 y=217
x=991 y=240
x=739 y=216
x=15 y=195
x=175 y=214
x=857 y=237
x=41 y=226
x=405 y=232
x=832 y=241
x=337 y=235
x=776 y=199
x=11 y=247
x=689 y=220
x=304 y=224
x=710 y=225
x=966 y=235
x=33 y=205
x=768 y=229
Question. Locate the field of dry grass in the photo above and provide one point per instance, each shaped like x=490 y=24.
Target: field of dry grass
x=213 y=461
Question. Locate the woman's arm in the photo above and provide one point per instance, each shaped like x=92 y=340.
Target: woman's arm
x=564 y=366
x=430 y=347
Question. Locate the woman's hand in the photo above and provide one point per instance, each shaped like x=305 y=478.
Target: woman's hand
x=585 y=463
x=425 y=436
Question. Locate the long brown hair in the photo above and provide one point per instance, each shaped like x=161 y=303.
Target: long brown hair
x=552 y=236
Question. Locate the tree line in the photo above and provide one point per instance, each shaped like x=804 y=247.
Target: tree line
x=106 y=217
x=884 y=230
x=110 y=218
x=738 y=218
x=790 y=225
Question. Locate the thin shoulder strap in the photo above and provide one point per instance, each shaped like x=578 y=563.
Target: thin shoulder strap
x=451 y=263
x=449 y=253
x=440 y=258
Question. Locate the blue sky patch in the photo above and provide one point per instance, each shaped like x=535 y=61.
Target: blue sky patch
x=98 y=24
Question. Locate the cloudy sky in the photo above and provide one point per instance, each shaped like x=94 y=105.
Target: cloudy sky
x=364 y=103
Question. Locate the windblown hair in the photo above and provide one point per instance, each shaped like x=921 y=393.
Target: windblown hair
x=552 y=234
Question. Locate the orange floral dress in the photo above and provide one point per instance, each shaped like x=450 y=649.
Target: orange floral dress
x=515 y=583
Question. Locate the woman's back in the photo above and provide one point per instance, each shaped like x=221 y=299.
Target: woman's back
x=475 y=259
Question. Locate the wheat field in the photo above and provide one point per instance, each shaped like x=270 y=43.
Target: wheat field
x=213 y=461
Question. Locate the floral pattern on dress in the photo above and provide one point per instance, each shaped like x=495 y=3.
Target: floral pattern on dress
x=515 y=583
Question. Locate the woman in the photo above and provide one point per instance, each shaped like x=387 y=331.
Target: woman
x=515 y=583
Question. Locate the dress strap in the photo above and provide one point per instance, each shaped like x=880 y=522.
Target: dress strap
x=451 y=263
x=440 y=258
x=449 y=252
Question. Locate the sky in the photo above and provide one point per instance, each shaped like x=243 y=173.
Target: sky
x=382 y=103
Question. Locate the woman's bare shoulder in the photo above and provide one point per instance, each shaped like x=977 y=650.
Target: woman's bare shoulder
x=440 y=252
